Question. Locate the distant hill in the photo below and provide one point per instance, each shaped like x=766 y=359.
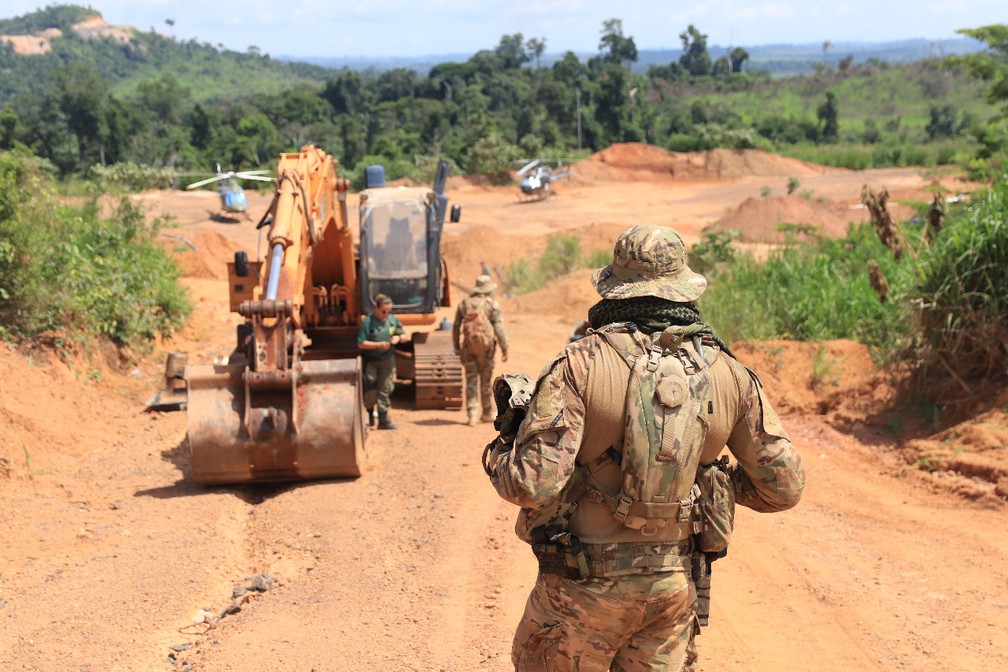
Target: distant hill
x=33 y=45
x=779 y=59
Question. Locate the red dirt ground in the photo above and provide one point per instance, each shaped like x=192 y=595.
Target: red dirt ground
x=114 y=560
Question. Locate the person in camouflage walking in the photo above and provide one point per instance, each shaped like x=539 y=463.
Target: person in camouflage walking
x=477 y=331
x=618 y=576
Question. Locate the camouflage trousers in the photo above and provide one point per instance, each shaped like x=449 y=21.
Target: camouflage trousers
x=641 y=623
x=379 y=382
x=479 y=373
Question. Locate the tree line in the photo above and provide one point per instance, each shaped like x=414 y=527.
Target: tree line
x=498 y=106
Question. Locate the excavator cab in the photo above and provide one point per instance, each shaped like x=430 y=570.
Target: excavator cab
x=400 y=245
x=400 y=256
x=394 y=249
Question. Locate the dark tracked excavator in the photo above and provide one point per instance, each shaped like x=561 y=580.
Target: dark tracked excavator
x=286 y=404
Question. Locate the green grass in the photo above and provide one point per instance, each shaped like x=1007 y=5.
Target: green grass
x=562 y=255
x=806 y=292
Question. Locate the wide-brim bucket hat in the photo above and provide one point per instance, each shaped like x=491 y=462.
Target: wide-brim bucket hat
x=649 y=261
x=484 y=285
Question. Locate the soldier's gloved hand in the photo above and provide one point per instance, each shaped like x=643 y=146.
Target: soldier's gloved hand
x=512 y=394
x=509 y=423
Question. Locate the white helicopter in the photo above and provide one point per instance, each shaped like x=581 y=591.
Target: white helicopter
x=232 y=196
x=536 y=177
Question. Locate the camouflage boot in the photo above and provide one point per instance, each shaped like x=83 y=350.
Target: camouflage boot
x=370 y=417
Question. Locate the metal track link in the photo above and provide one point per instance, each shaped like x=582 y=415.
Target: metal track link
x=438 y=375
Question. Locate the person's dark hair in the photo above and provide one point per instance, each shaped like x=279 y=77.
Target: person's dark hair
x=382 y=300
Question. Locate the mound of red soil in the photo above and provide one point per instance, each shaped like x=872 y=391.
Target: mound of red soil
x=799 y=376
x=567 y=299
x=778 y=218
x=200 y=253
x=634 y=161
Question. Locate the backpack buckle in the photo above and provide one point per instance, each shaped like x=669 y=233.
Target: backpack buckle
x=622 y=508
x=654 y=357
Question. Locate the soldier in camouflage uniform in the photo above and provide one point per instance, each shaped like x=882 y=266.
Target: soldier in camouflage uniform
x=633 y=604
x=479 y=364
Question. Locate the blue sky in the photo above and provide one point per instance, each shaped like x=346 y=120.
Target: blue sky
x=373 y=28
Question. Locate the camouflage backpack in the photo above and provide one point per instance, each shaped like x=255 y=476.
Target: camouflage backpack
x=667 y=401
x=477 y=331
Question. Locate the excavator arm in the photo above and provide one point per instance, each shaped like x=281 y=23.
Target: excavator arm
x=282 y=408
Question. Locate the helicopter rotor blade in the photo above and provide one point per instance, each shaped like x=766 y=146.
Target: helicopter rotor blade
x=528 y=166
x=216 y=178
x=251 y=176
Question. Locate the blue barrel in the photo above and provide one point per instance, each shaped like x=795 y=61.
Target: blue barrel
x=374 y=176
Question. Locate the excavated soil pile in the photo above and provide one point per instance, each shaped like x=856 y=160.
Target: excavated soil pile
x=776 y=219
x=639 y=162
x=200 y=254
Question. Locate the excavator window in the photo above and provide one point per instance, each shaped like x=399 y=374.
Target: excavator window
x=397 y=258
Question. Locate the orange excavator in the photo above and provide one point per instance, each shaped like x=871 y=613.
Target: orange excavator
x=286 y=404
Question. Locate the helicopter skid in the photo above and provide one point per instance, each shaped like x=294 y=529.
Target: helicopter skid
x=225 y=217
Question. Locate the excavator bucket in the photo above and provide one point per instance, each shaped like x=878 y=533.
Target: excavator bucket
x=306 y=425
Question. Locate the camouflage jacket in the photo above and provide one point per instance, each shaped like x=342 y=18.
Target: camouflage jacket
x=577 y=413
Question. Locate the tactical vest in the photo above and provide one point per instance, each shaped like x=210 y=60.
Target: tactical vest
x=667 y=400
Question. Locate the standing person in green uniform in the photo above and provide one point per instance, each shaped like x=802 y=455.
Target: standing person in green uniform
x=379 y=332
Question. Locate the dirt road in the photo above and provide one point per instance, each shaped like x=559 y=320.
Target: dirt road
x=114 y=560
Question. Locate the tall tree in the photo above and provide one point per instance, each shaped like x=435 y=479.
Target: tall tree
x=615 y=47
x=738 y=56
x=695 y=58
x=347 y=94
x=163 y=97
x=827 y=114
x=991 y=65
x=536 y=47
x=81 y=95
x=510 y=52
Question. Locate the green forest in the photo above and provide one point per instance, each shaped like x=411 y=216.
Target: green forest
x=185 y=106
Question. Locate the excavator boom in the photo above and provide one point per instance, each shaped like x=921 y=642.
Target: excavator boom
x=286 y=404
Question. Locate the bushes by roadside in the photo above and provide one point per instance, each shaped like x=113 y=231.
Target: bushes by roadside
x=945 y=313
x=68 y=269
x=803 y=292
x=959 y=302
